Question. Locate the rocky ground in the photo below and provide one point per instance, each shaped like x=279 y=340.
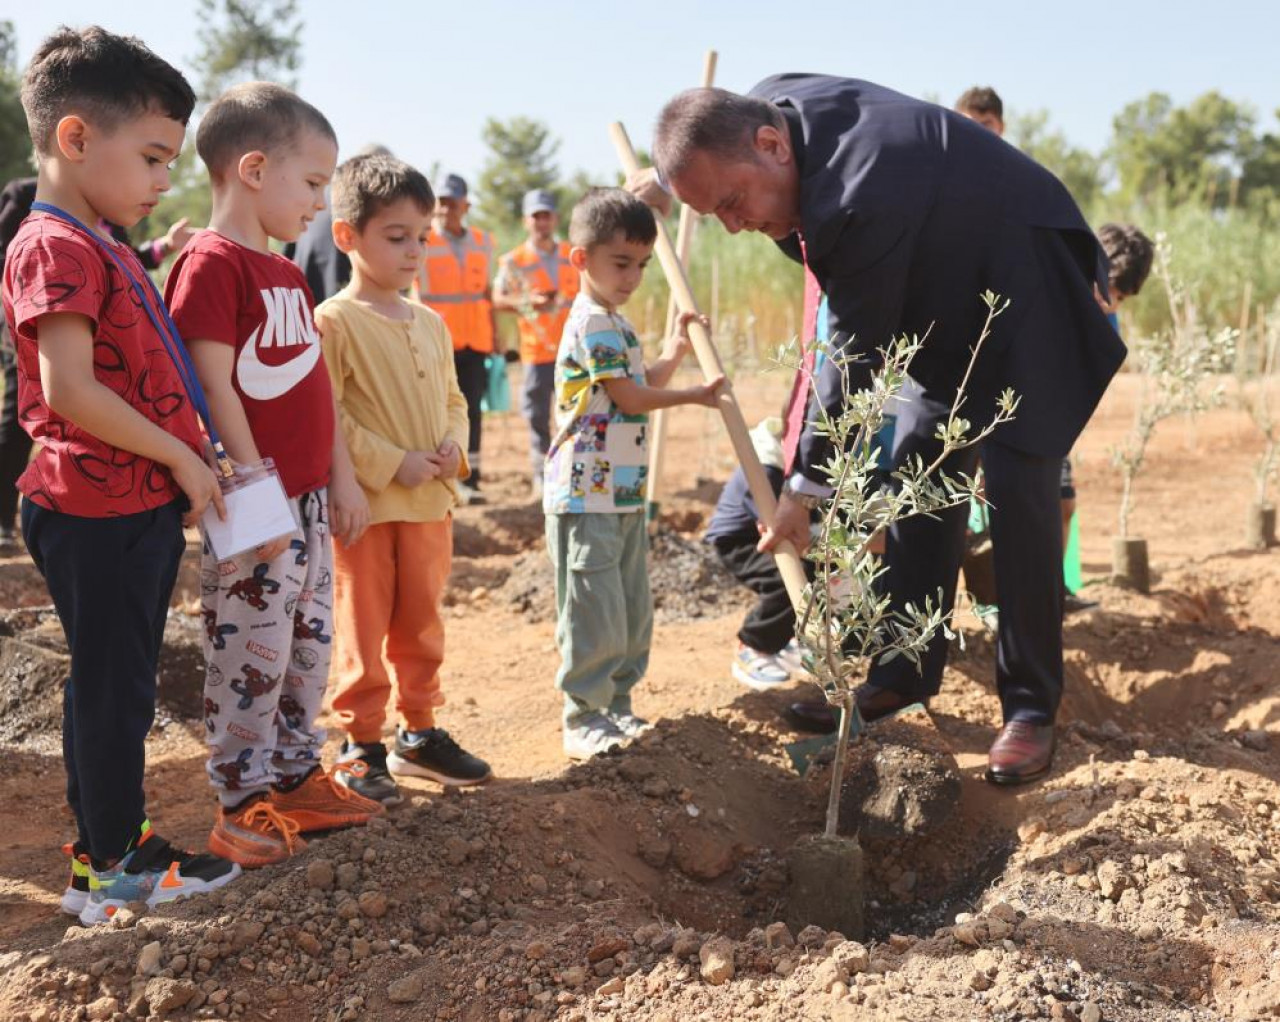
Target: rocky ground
x=1139 y=881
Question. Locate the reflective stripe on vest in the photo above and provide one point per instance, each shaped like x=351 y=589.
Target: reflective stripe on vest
x=457 y=279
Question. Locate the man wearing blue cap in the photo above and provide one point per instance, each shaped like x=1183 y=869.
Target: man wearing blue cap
x=536 y=281
x=454 y=281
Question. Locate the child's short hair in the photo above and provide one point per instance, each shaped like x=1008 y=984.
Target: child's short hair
x=255 y=117
x=1130 y=254
x=106 y=78
x=363 y=185
x=981 y=99
x=604 y=213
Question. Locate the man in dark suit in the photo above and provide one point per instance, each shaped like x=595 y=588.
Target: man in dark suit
x=907 y=213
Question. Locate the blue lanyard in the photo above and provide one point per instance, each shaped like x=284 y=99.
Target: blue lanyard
x=164 y=326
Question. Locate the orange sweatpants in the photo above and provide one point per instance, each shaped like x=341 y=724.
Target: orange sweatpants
x=387 y=625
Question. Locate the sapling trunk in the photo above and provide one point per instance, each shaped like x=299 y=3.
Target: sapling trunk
x=847 y=709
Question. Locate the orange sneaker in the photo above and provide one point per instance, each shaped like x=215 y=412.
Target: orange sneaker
x=254 y=834
x=319 y=803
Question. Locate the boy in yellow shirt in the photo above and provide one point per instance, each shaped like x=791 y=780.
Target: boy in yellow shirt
x=405 y=422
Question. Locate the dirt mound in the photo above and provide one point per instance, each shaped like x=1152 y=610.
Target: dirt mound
x=686 y=578
x=34 y=667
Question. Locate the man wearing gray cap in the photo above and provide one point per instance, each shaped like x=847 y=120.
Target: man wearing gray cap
x=536 y=281
x=454 y=281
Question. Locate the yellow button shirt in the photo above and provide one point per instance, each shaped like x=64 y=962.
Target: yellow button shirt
x=397 y=391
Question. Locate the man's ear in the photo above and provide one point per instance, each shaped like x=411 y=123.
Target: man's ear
x=773 y=142
x=344 y=236
x=578 y=258
x=71 y=137
x=252 y=168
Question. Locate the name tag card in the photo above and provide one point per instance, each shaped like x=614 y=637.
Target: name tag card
x=258 y=511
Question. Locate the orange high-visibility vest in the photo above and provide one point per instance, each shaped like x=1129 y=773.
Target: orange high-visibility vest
x=527 y=271
x=454 y=282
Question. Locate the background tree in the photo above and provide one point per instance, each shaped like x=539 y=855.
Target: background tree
x=522 y=157
x=15 y=142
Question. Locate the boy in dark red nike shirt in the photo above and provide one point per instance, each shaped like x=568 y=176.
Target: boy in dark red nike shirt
x=246 y=316
x=119 y=444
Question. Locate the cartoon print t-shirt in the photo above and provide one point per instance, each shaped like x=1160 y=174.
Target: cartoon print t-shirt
x=599 y=458
x=53 y=267
x=259 y=304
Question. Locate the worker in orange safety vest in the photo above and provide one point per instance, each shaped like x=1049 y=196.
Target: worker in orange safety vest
x=454 y=281
x=536 y=282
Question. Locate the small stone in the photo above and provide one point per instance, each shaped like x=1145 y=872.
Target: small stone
x=1256 y=740
x=656 y=787
x=246 y=934
x=373 y=904
x=1111 y=880
x=827 y=975
x=166 y=995
x=574 y=976
x=776 y=935
x=149 y=959
x=980 y=981
x=610 y=987
x=607 y=949
x=320 y=875
x=811 y=937
x=456 y=850
x=537 y=884
x=687 y=944
x=852 y=957
x=406 y=989
x=536 y=951
x=102 y=1009
x=901 y=942
x=346 y=876
x=1090 y=1012
x=716 y=958
x=309 y=943
x=1148 y=931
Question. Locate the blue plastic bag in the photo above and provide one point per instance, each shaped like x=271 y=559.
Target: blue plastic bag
x=497 y=393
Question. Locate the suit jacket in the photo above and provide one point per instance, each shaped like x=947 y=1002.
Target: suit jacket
x=327 y=270
x=910 y=212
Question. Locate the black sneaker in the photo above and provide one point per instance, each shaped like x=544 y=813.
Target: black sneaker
x=432 y=753
x=362 y=768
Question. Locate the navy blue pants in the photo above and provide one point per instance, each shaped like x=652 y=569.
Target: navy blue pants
x=923 y=556
x=110 y=580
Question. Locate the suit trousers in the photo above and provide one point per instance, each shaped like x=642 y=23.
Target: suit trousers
x=923 y=557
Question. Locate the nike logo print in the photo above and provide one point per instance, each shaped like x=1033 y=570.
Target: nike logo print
x=171 y=878
x=288 y=325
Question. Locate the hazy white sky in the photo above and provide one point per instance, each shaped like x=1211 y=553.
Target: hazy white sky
x=422 y=77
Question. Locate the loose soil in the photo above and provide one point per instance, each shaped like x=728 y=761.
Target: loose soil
x=1138 y=881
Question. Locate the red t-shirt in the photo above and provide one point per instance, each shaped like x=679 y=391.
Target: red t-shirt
x=259 y=304
x=52 y=267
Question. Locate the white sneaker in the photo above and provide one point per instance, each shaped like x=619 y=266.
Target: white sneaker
x=791 y=658
x=591 y=734
x=630 y=725
x=759 y=671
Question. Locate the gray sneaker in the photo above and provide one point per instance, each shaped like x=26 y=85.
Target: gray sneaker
x=629 y=724
x=591 y=734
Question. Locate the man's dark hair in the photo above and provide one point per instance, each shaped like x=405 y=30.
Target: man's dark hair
x=363 y=185
x=713 y=121
x=604 y=213
x=1129 y=254
x=255 y=117
x=981 y=99
x=105 y=78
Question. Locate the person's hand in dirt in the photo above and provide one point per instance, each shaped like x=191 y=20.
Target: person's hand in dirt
x=416 y=468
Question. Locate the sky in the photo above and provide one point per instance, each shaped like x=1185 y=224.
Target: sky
x=422 y=78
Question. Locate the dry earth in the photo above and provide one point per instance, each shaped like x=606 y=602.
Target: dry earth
x=1139 y=881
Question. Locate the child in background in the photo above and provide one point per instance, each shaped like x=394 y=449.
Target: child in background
x=247 y=318
x=594 y=491
x=405 y=421
x=118 y=443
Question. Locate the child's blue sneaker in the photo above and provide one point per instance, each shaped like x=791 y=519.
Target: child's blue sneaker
x=759 y=671
x=791 y=658
x=153 y=871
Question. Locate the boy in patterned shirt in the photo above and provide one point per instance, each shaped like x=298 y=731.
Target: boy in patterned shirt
x=594 y=481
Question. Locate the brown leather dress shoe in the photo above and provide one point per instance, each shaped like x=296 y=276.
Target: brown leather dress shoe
x=1021 y=752
x=875 y=703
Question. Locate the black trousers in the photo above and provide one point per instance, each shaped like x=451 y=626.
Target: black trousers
x=771 y=623
x=923 y=557
x=15 y=445
x=110 y=580
x=473 y=380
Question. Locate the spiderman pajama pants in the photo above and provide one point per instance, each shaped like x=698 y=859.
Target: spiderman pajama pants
x=268 y=635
